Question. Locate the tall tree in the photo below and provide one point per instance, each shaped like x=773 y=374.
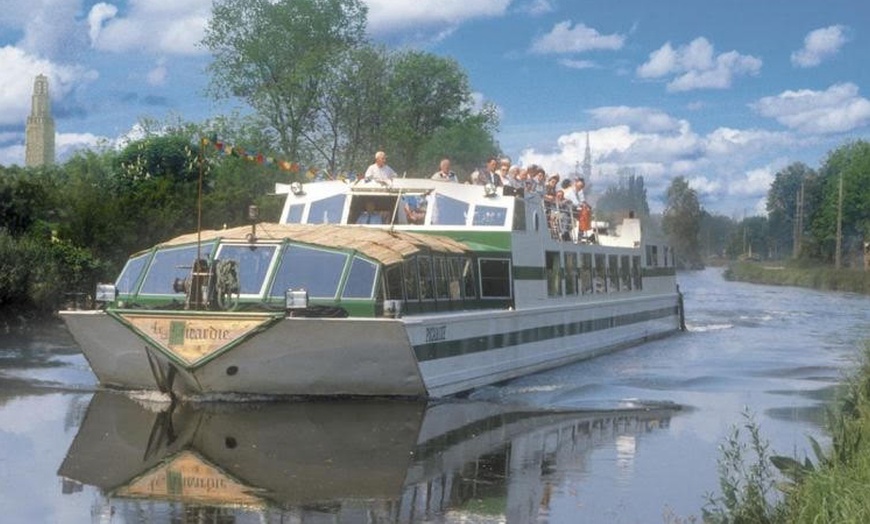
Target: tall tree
x=276 y=55
x=629 y=194
x=784 y=208
x=682 y=223
x=427 y=93
x=851 y=162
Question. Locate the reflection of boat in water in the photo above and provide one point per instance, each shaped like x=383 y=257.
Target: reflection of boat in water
x=480 y=290
x=395 y=461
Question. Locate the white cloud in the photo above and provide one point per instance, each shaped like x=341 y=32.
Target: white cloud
x=99 y=14
x=577 y=64
x=538 y=7
x=696 y=66
x=157 y=76
x=387 y=16
x=566 y=39
x=643 y=119
x=722 y=165
x=50 y=27
x=818 y=45
x=164 y=26
x=12 y=154
x=838 y=109
x=16 y=83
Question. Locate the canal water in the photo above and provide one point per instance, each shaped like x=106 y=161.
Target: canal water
x=628 y=437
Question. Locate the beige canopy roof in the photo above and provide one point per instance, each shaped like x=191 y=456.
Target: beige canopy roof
x=388 y=247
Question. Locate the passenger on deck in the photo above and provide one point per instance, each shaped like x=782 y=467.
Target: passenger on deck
x=415 y=208
x=370 y=215
x=380 y=171
x=444 y=174
x=491 y=176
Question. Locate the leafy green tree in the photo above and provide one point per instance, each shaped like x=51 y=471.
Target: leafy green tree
x=851 y=162
x=782 y=205
x=427 y=93
x=466 y=143
x=681 y=222
x=715 y=234
x=629 y=194
x=277 y=55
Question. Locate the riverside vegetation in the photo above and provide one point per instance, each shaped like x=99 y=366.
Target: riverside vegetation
x=815 y=277
x=830 y=487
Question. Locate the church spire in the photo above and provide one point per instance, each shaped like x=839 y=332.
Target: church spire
x=39 y=133
x=587 y=160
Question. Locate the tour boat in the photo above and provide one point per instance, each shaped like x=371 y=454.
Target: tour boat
x=407 y=287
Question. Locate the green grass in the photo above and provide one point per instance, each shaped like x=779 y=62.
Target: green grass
x=823 y=278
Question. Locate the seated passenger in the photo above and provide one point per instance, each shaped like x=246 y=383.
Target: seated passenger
x=415 y=208
x=370 y=215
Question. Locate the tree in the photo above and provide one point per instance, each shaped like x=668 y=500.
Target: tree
x=682 y=222
x=277 y=55
x=427 y=93
x=782 y=205
x=852 y=163
x=629 y=194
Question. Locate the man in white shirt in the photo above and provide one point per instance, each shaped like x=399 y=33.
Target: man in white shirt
x=380 y=170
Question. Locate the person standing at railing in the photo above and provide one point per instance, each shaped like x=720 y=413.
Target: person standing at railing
x=380 y=171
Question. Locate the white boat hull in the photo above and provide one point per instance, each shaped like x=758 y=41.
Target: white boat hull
x=422 y=356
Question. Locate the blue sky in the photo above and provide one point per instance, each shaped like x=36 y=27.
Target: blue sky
x=724 y=93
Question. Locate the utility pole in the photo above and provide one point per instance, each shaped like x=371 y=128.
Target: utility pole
x=838 y=262
x=799 y=221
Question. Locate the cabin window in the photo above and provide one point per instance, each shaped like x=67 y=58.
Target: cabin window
x=442 y=288
x=455 y=278
x=411 y=279
x=613 y=272
x=394 y=283
x=599 y=274
x=427 y=284
x=665 y=253
x=489 y=216
x=326 y=211
x=570 y=273
x=314 y=270
x=635 y=272
x=652 y=256
x=625 y=273
x=449 y=212
x=586 y=273
x=371 y=209
x=126 y=281
x=554 y=273
x=294 y=214
x=360 y=280
x=468 y=275
x=168 y=265
x=519 y=215
x=253 y=265
x=495 y=281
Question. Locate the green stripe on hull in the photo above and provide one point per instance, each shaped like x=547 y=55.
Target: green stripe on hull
x=467 y=346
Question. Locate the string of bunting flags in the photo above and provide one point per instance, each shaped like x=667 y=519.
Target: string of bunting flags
x=311 y=173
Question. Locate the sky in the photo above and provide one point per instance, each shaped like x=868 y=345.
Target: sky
x=722 y=92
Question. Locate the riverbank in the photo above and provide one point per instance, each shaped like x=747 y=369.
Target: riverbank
x=822 y=278
x=833 y=486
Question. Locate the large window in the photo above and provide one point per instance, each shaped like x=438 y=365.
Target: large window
x=361 y=279
x=571 y=274
x=635 y=272
x=449 y=211
x=554 y=274
x=489 y=216
x=253 y=265
x=326 y=211
x=599 y=274
x=412 y=282
x=586 y=273
x=427 y=280
x=495 y=281
x=613 y=272
x=168 y=265
x=126 y=281
x=314 y=270
x=625 y=273
x=294 y=214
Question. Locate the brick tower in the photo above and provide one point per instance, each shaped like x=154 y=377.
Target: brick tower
x=39 y=134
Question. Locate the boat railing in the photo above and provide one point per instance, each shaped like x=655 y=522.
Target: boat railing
x=565 y=223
